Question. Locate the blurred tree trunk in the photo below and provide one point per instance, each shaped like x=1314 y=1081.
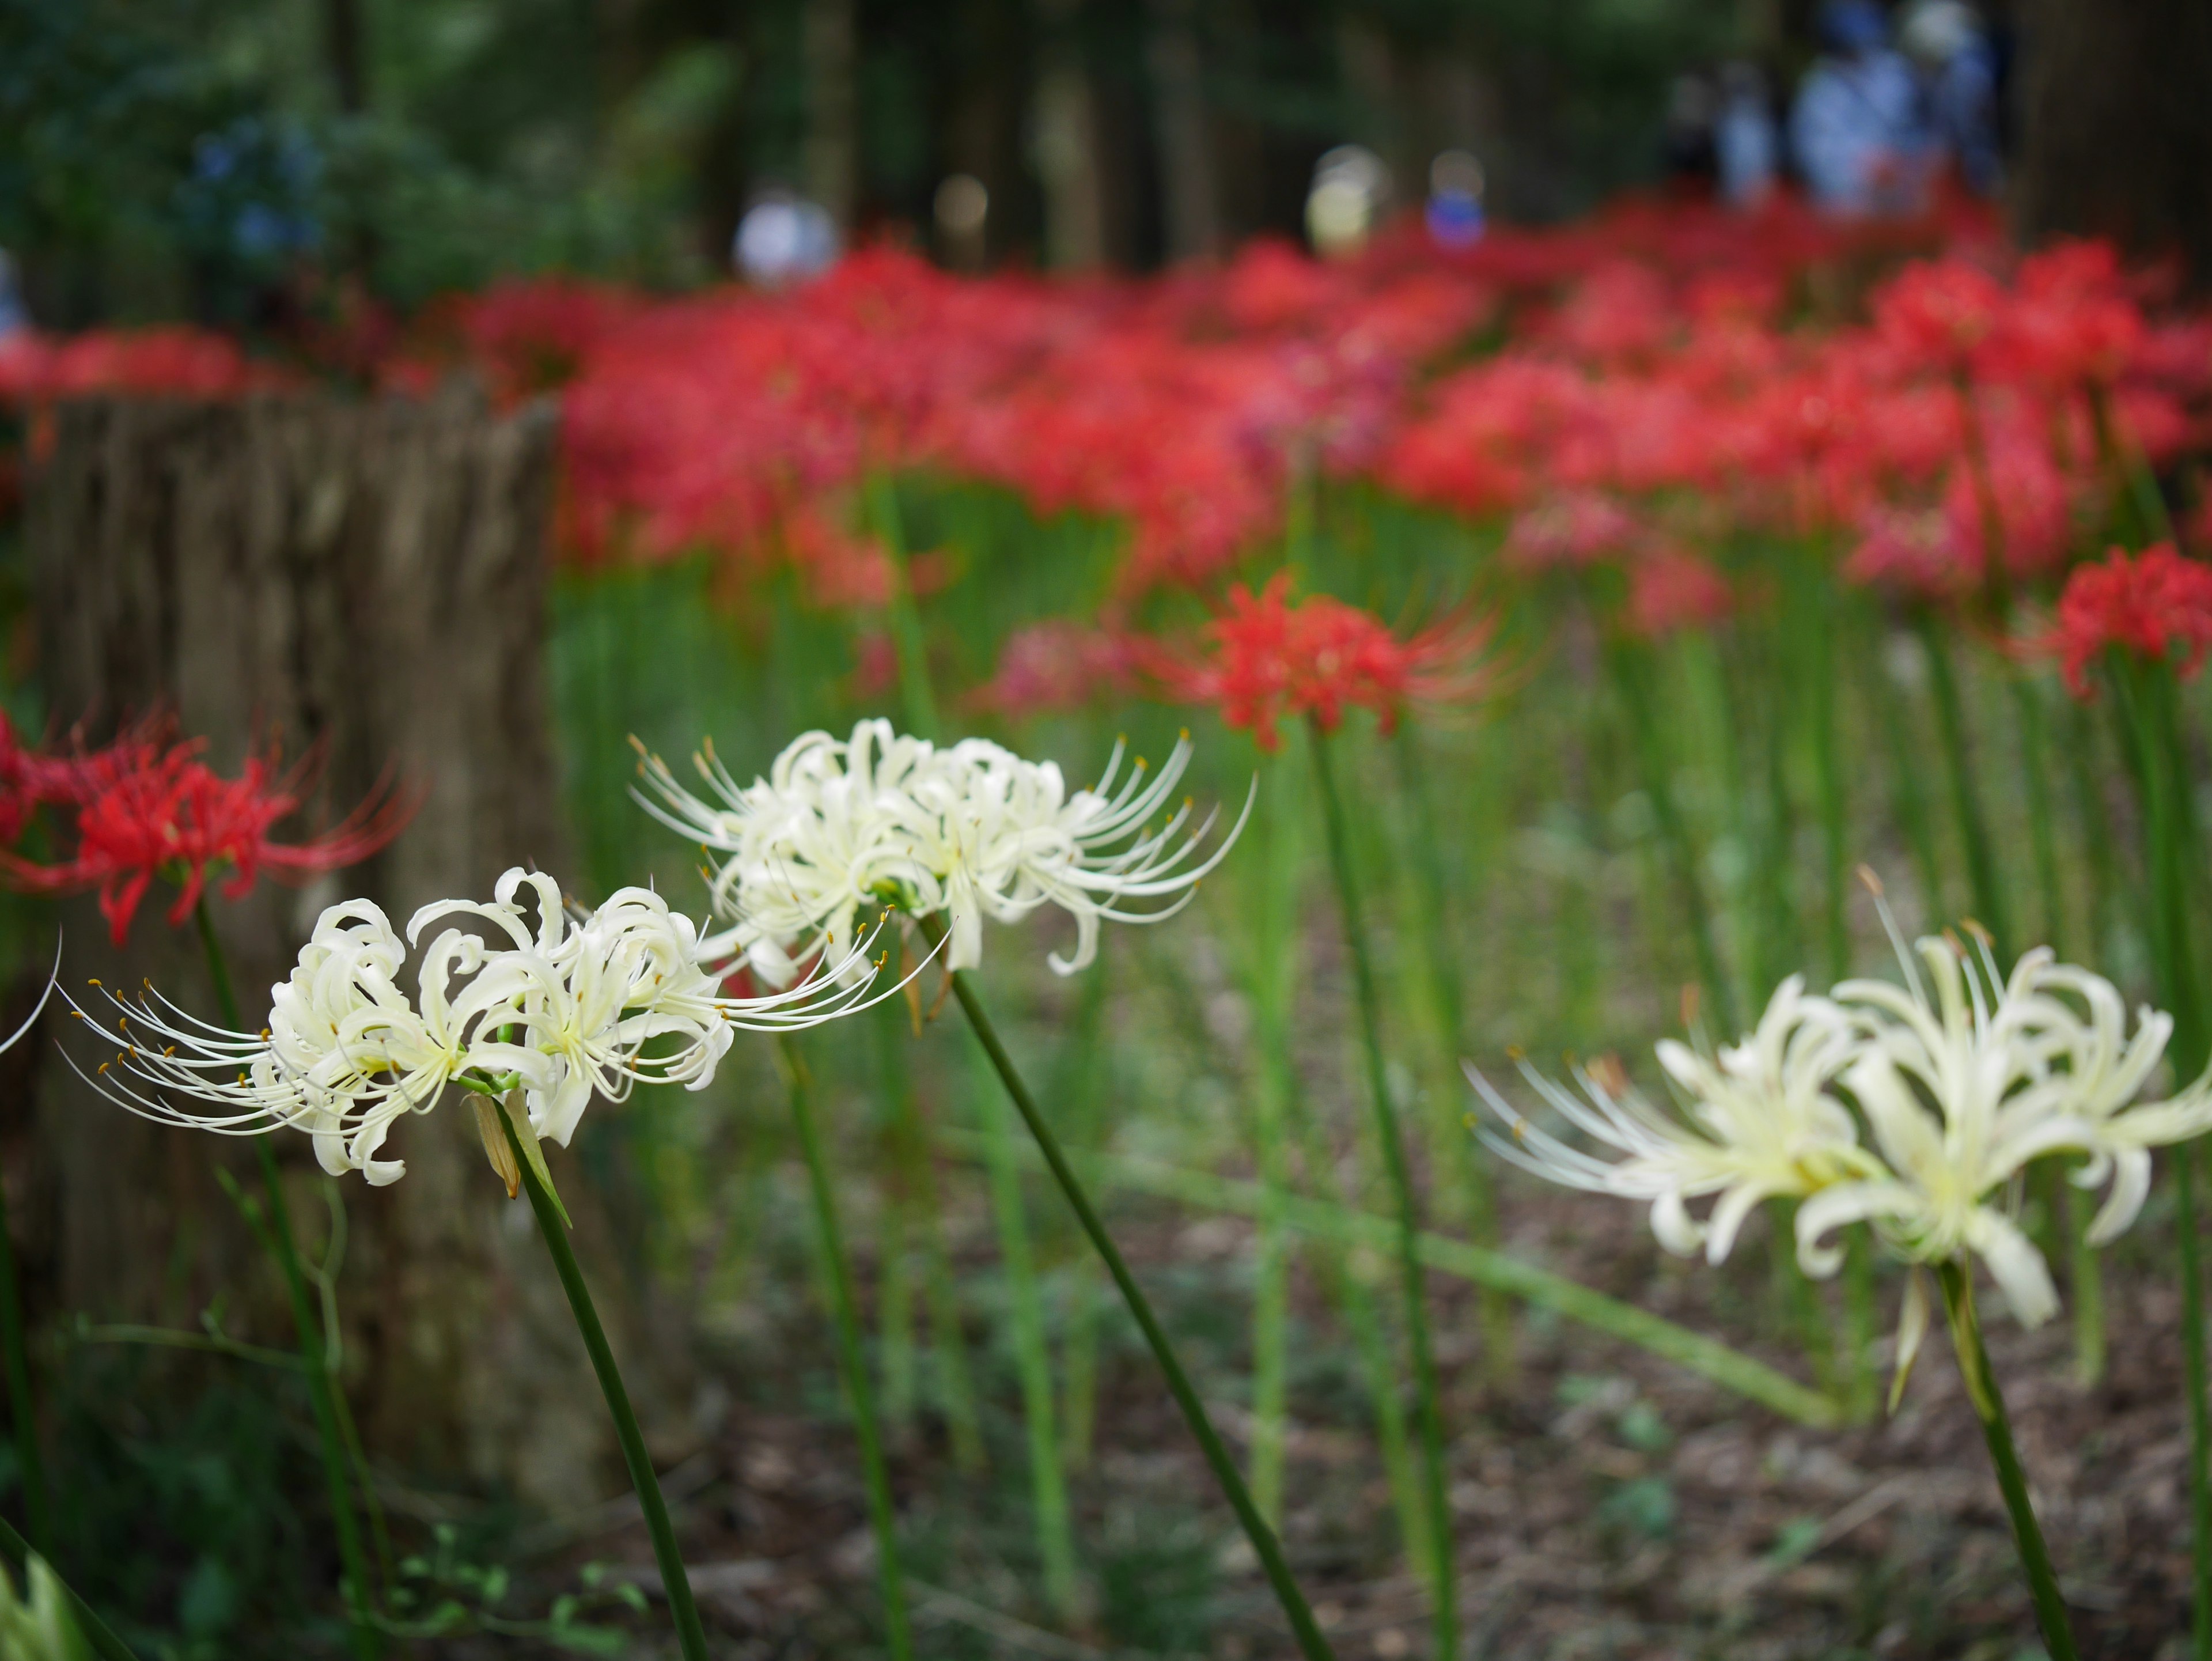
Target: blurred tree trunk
x=369 y=578
x=342 y=30
x=1067 y=147
x=831 y=45
x=2117 y=126
x=1187 y=192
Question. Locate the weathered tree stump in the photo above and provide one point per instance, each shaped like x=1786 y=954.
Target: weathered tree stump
x=368 y=576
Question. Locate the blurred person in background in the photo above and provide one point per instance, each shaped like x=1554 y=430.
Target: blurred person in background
x=783 y=238
x=1856 y=132
x=1747 y=148
x=1948 y=45
x=1350 y=192
x=1454 y=213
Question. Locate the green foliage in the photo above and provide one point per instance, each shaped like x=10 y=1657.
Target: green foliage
x=444 y=1594
x=39 y=1627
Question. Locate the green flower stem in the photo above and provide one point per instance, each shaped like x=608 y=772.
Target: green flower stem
x=1346 y=1273
x=689 y=1634
x=1631 y=670
x=96 y=1631
x=1444 y=1578
x=2153 y=523
x=1268 y=967
x=1310 y=1642
x=1908 y=789
x=2152 y=724
x=1812 y=645
x=1996 y=1430
x=913 y=653
x=22 y=1406
x=1462 y=1153
x=1966 y=800
x=949 y=1340
x=852 y=1359
x=2042 y=813
x=363 y=1636
x=1271 y=1290
x=919 y=699
x=1032 y=1359
x=1347 y=1225
x=1086 y=1297
x=894 y=1314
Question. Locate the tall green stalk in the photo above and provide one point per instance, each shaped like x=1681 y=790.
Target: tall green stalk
x=96 y=1631
x=2152 y=723
x=919 y=699
x=1811 y=648
x=1443 y=1579
x=852 y=1357
x=912 y=650
x=917 y=1176
x=1633 y=674
x=1981 y=1390
x=1982 y=878
x=1268 y=966
x=1908 y=789
x=364 y=1639
x=1264 y=1546
x=1032 y=1361
x=1461 y=1154
x=1083 y=1091
x=2094 y=837
x=682 y=1609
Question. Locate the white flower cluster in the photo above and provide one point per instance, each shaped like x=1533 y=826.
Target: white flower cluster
x=839 y=827
x=1886 y=1104
x=560 y=1011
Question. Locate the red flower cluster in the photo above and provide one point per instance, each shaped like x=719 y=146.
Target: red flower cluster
x=178 y=362
x=145 y=807
x=2152 y=606
x=1652 y=364
x=1270 y=657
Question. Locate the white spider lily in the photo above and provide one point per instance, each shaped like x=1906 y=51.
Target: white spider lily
x=969 y=831
x=1956 y=1091
x=1759 y=1121
x=1963 y=1090
x=559 y=1013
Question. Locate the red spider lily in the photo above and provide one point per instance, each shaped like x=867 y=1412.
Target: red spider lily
x=1271 y=657
x=1939 y=313
x=2148 y=606
x=1670 y=590
x=145 y=810
x=1053 y=666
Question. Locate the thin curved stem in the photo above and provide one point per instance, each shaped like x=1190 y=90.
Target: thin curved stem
x=1996 y=1430
x=1308 y=1633
x=682 y=1609
x=361 y=1635
x=1442 y=1576
x=852 y=1357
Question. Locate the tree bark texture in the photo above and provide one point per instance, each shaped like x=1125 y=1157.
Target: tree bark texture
x=367 y=577
x=2117 y=137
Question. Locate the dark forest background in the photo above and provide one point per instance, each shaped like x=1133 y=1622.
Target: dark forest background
x=429 y=144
